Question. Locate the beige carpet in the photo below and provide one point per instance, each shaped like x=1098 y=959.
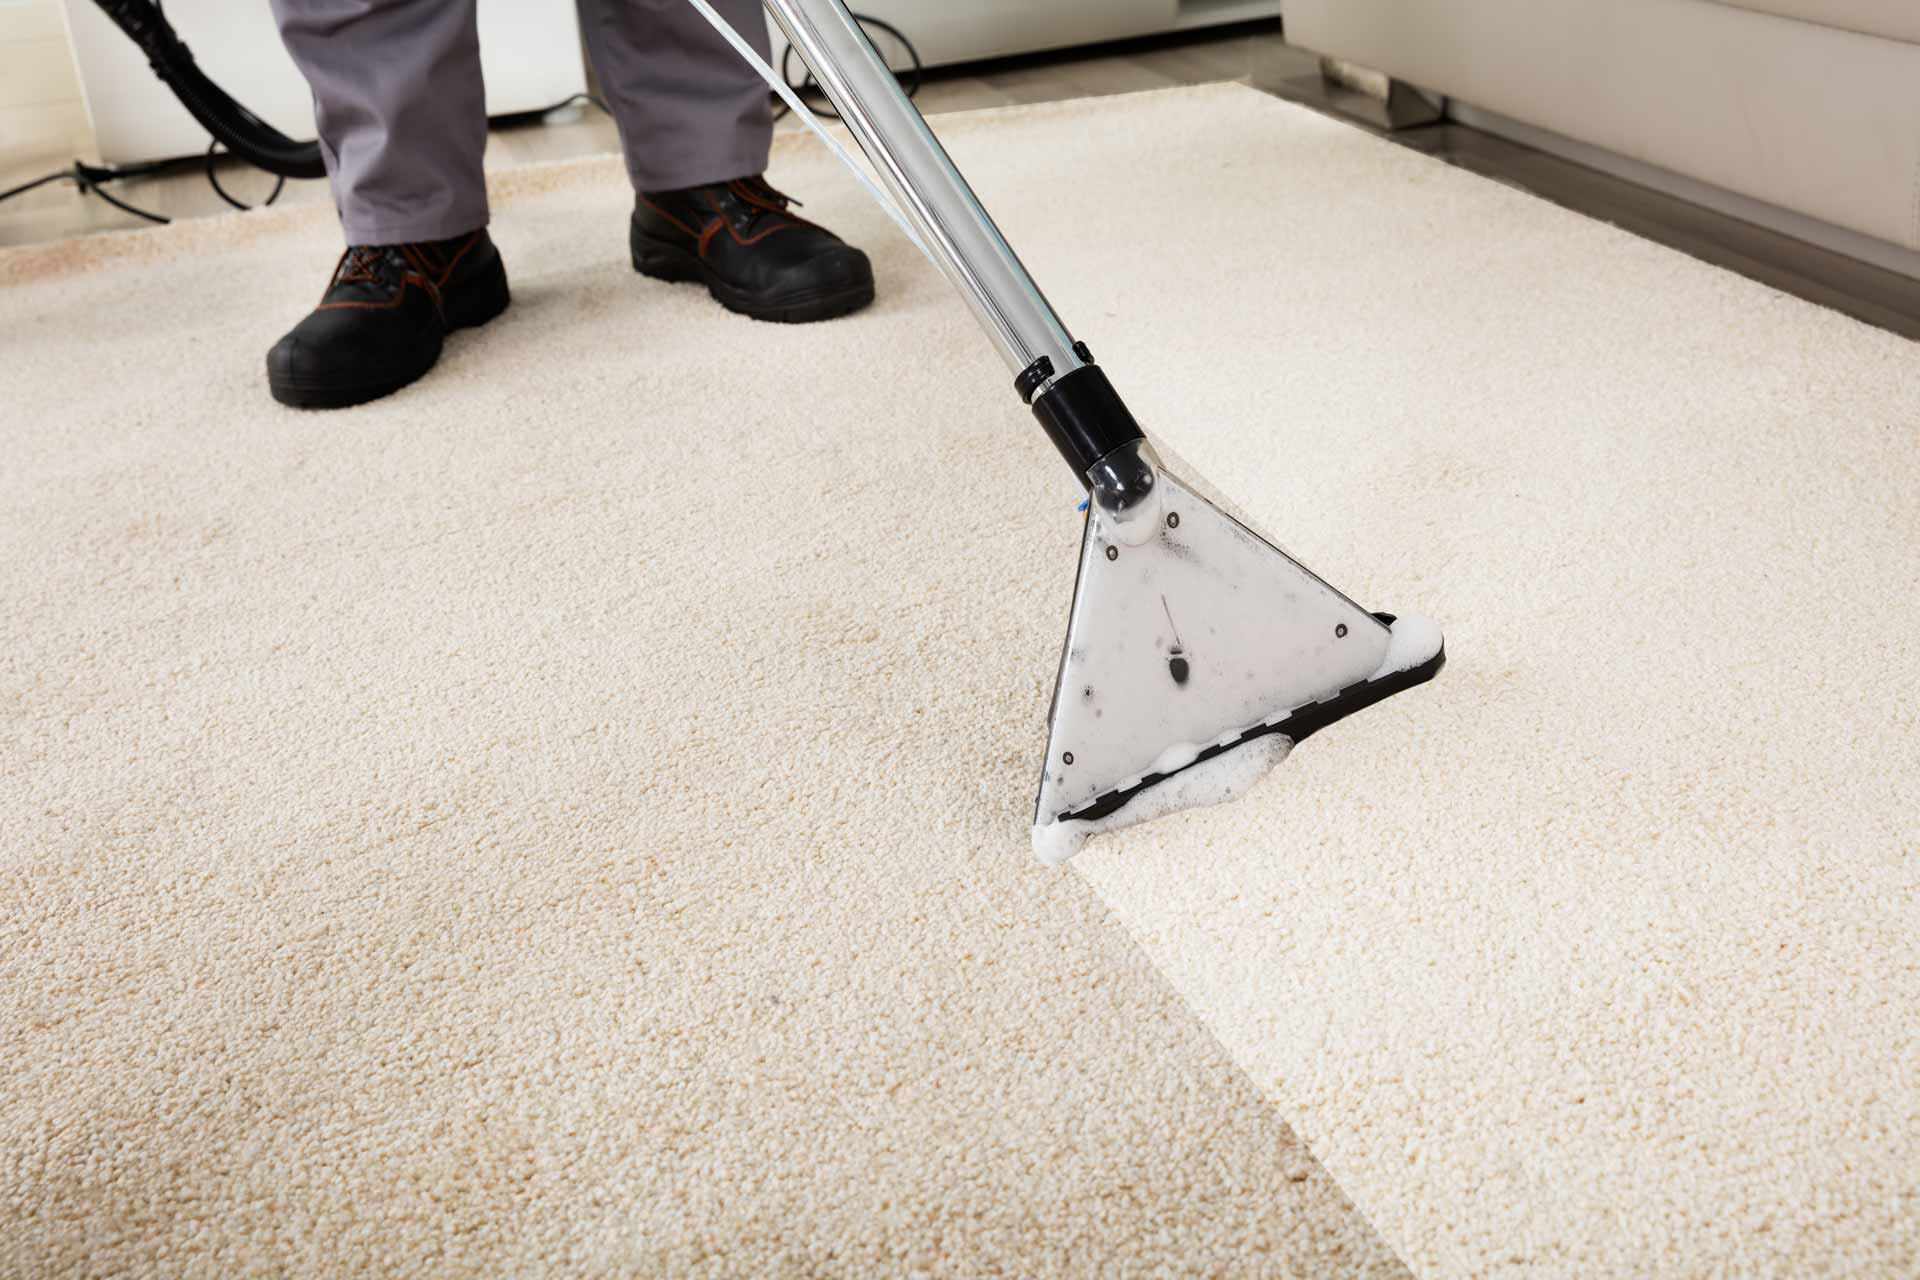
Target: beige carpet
x=1601 y=955
x=571 y=817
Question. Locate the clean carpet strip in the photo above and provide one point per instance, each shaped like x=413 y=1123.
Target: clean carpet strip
x=571 y=817
x=1600 y=955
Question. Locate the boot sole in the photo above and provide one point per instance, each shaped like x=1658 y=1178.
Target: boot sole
x=480 y=302
x=661 y=261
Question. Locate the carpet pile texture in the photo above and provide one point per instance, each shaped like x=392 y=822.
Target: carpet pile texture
x=571 y=816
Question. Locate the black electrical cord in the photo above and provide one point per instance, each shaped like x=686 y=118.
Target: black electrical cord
x=25 y=187
x=808 y=84
x=213 y=180
x=91 y=179
x=110 y=198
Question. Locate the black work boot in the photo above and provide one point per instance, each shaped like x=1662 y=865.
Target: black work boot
x=738 y=239
x=386 y=312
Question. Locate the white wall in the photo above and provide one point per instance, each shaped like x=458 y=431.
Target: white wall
x=43 y=120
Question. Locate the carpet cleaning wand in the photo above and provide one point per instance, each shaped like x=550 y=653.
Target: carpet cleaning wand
x=1197 y=653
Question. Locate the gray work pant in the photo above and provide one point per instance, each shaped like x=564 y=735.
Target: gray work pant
x=402 y=116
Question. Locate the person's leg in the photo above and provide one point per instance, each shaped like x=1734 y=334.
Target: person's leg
x=401 y=111
x=403 y=125
x=690 y=111
x=696 y=124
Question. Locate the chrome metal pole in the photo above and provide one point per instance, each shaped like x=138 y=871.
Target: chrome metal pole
x=915 y=168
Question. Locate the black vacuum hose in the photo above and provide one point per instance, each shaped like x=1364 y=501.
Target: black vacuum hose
x=242 y=132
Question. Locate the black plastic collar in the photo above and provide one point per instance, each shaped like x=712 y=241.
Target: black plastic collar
x=1084 y=417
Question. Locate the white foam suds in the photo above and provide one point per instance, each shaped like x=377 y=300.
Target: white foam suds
x=1227 y=776
x=1410 y=641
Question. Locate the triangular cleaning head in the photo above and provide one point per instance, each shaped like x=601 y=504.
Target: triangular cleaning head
x=1194 y=659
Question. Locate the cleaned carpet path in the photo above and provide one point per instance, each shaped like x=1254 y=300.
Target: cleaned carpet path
x=570 y=818
x=1600 y=955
